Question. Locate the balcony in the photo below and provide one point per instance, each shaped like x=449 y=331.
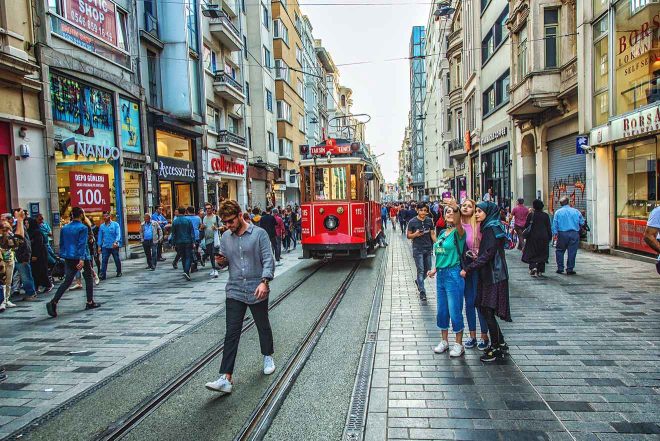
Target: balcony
x=568 y=78
x=224 y=30
x=457 y=148
x=456 y=97
x=228 y=88
x=227 y=139
x=536 y=93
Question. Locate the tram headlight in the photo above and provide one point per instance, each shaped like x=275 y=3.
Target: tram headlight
x=331 y=223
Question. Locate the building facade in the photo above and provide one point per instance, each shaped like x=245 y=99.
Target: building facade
x=23 y=154
x=417 y=52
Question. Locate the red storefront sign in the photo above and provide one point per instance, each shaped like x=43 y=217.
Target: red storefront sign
x=631 y=235
x=98 y=17
x=228 y=166
x=90 y=191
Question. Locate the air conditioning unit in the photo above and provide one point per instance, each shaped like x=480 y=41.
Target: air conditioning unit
x=292 y=179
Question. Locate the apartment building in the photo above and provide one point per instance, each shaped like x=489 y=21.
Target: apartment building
x=455 y=174
x=544 y=102
x=325 y=103
x=288 y=33
x=23 y=153
x=313 y=72
x=261 y=115
x=417 y=52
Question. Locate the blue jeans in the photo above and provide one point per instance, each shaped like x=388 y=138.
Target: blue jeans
x=471 y=311
x=25 y=273
x=423 y=264
x=105 y=256
x=186 y=252
x=567 y=240
x=451 y=289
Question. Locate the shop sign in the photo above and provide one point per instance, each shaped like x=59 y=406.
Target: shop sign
x=635 y=124
x=175 y=170
x=133 y=165
x=90 y=191
x=228 y=166
x=631 y=235
x=494 y=136
x=468 y=141
x=581 y=142
x=98 y=17
x=279 y=187
x=83 y=116
x=130 y=126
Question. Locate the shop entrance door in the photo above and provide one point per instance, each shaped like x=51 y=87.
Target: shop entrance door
x=183 y=194
x=4 y=181
x=166 y=199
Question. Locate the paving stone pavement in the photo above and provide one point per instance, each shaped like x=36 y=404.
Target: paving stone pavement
x=48 y=361
x=584 y=361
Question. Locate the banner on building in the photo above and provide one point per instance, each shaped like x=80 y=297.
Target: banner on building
x=98 y=17
x=90 y=191
x=130 y=126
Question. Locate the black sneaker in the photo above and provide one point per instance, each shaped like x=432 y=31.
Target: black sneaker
x=504 y=348
x=51 y=308
x=119 y=274
x=492 y=355
x=187 y=276
x=92 y=305
x=560 y=271
x=174 y=265
x=570 y=273
x=422 y=296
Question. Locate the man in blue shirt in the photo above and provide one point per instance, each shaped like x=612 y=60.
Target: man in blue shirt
x=108 y=241
x=162 y=221
x=566 y=225
x=196 y=222
x=183 y=238
x=75 y=252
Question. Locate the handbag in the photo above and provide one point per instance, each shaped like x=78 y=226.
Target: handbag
x=528 y=231
x=584 y=229
x=216 y=239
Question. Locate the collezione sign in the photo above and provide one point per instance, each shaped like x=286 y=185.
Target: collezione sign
x=223 y=165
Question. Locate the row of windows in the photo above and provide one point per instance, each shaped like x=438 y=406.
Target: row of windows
x=497 y=94
x=495 y=36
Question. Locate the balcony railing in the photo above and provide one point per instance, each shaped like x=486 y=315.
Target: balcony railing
x=455 y=144
x=222 y=77
x=227 y=137
x=227 y=21
x=151 y=24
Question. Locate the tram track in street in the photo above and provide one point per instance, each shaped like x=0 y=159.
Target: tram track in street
x=134 y=417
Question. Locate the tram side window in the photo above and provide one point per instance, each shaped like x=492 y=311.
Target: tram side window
x=306 y=179
x=339 y=183
x=354 y=181
x=322 y=184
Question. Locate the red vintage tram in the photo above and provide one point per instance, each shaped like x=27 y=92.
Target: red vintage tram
x=340 y=189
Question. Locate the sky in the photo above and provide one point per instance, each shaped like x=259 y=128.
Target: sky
x=353 y=33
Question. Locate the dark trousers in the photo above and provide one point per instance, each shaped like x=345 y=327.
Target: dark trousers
x=567 y=240
x=287 y=240
x=160 y=250
x=70 y=272
x=186 y=252
x=403 y=226
x=276 y=243
x=521 y=239
x=210 y=252
x=105 y=256
x=194 y=254
x=150 y=251
x=494 y=331
x=235 y=313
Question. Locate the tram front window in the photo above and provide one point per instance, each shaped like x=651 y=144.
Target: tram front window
x=330 y=183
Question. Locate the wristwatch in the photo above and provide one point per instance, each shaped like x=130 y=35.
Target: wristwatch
x=266 y=281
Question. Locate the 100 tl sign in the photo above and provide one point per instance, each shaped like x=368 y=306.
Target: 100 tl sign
x=90 y=191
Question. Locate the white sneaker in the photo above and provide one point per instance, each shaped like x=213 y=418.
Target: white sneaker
x=269 y=365
x=9 y=304
x=456 y=350
x=96 y=279
x=215 y=274
x=442 y=347
x=75 y=286
x=211 y=273
x=278 y=264
x=222 y=384
x=3 y=306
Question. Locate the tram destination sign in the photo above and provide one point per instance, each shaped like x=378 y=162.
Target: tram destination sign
x=332 y=149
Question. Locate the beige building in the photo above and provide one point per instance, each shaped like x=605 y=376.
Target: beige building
x=544 y=102
x=289 y=92
x=22 y=153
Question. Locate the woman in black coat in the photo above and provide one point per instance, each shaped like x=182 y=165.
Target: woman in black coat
x=537 y=244
x=39 y=260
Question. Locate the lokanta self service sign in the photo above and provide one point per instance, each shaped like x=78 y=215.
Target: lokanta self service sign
x=90 y=191
x=98 y=17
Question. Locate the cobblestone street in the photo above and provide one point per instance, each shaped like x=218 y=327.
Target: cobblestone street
x=49 y=361
x=584 y=360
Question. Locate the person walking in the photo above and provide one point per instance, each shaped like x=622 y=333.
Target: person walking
x=422 y=234
x=210 y=226
x=450 y=285
x=383 y=215
x=652 y=234
x=401 y=217
x=91 y=244
x=286 y=241
x=159 y=217
x=38 y=260
x=10 y=241
x=280 y=231
x=183 y=238
x=566 y=225
x=268 y=222
x=471 y=250
x=493 y=284
x=246 y=248
x=536 y=251
x=108 y=242
x=150 y=235
x=394 y=211
x=23 y=276
x=519 y=214
x=75 y=252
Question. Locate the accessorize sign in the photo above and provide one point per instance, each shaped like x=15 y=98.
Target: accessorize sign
x=90 y=191
x=98 y=17
x=176 y=170
x=631 y=235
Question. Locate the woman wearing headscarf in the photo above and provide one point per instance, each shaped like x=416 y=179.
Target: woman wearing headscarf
x=493 y=283
x=39 y=260
x=537 y=243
